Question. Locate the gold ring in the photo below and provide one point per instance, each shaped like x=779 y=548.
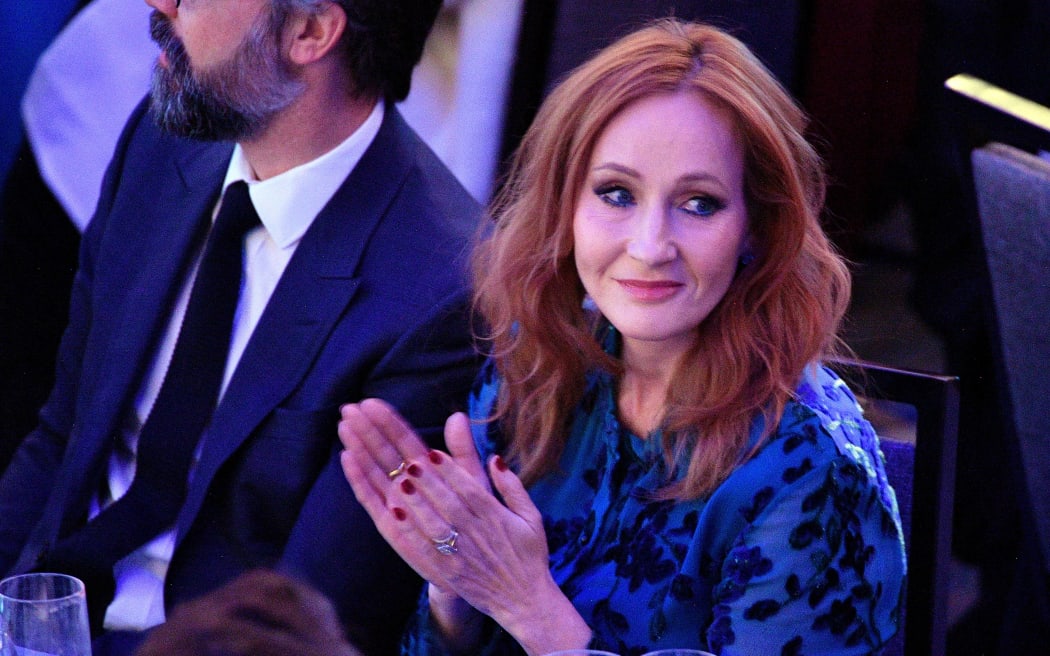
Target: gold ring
x=447 y=544
x=396 y=471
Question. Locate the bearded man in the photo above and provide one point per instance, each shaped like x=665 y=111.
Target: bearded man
x=191 y=432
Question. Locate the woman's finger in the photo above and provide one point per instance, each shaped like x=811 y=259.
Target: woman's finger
x=358 y=429
x=376 y=428
x=460 y=443
x=453 y=493
x=417 y=496
x=397 y=517
x=360 y=472
x=514 y=493
x=393 y=429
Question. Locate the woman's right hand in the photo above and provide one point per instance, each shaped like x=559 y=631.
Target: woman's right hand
x=383 y=456
x=438 y=512
x=377 y=441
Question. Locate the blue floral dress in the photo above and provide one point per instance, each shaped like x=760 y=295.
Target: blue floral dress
x=799 y=551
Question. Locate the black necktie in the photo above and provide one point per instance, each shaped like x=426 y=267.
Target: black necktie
x=183 y=408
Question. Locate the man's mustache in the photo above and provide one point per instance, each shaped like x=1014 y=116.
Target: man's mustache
x=163 y=34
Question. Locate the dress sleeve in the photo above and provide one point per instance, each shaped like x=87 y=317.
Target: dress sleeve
x=421 y=637
x=818 y=570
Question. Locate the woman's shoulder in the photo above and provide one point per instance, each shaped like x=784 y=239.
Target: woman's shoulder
x=811 y=510
x=823 y=399
x=824 y=421
x=821 y=434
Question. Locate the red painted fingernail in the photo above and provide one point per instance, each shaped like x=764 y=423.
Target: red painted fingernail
x=407 y=487
x=414 y=470
x=501 y=464
x=400 y=515
x=435 y=457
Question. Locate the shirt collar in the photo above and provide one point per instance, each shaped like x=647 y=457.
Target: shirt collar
x=288 y=203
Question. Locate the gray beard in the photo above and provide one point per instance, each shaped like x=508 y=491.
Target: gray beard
x=235 y=100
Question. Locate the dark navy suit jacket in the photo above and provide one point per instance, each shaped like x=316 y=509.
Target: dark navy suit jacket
x=374 y=303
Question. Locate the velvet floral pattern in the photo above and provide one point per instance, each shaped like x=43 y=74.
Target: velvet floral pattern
x=798 y=552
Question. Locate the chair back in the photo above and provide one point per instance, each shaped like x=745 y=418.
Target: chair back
x=920 y=465
x=1013 y=199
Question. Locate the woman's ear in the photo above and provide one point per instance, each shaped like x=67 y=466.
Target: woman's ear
x=314 y=34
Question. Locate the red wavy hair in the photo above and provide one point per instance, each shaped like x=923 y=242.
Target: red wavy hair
x=781 y=312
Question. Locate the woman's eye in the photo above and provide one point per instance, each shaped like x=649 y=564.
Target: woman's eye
x=703 y=205
x=615 y=196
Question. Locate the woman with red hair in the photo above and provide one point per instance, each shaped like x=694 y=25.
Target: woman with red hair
x=666 y=462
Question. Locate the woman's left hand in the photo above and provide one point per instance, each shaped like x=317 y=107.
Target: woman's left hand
x=439 y=513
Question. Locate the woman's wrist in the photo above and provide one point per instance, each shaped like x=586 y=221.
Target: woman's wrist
x=549 y=623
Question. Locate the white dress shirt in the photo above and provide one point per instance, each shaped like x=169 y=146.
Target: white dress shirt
x=287 y=205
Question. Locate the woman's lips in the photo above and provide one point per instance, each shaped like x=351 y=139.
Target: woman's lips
x=650 y=290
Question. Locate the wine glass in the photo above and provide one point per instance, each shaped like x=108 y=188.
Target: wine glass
x=43 y=614
x=678 y=652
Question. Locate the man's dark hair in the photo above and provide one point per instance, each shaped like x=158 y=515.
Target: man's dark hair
x=384 y=41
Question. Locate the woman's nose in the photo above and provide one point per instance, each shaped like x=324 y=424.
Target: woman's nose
x=652 y=243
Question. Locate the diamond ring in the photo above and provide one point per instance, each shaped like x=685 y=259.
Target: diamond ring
x=447 y=544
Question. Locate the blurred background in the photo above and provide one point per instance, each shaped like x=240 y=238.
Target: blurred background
x=869 y=72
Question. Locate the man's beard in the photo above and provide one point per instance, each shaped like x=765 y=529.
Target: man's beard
x=234 y=100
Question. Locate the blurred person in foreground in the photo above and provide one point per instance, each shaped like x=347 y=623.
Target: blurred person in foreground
x=185 y=441
x=654 y=456
x=259 y=613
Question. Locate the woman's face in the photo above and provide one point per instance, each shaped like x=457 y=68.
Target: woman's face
x=661 y=220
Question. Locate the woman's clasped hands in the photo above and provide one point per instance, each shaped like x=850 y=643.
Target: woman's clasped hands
x=439 y=512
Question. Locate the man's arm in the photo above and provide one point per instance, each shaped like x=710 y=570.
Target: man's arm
x=426 y=375
x=27 y=482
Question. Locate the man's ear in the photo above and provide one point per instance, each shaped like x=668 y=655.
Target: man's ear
x=312 y=35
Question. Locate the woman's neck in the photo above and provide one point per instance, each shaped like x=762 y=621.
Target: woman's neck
x=643 y=391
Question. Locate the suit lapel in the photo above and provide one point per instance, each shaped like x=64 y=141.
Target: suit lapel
x=171 y=223
x=313 y=293
x=167 y=216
